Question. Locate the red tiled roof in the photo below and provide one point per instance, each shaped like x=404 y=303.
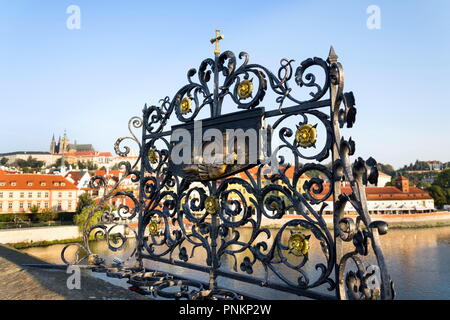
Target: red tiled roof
x=34 y=182
x=114 y=173
x=74 y=175
x=383 y=193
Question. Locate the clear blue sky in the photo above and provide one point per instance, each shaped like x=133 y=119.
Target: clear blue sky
x=127 y=53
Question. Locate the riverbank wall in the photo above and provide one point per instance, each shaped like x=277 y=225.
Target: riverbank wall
x=419 y=220
x=36 y=234
x=56 y=233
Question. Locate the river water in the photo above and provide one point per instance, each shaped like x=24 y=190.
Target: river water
x=418 y=261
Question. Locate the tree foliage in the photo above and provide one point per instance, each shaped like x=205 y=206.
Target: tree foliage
x=84 y=200
x=58 y=161
x=443 y=179
x=80 y=219
x=30 y=163
x=47 y=215
x=34 y=209
x=438 y=195
x=386 y=168
x=416 y=166
x=443 y=182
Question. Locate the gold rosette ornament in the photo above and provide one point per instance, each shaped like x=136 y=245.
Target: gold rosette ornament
x=185 y=105
x=245 y=89
x=153 y=156
x=153 y=228
x=212 y=205
x=298 y=244
x=306 y=135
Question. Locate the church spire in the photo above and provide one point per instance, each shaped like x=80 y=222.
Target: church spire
x=53 y=145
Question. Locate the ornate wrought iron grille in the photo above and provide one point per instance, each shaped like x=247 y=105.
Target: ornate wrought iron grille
x=179 y=216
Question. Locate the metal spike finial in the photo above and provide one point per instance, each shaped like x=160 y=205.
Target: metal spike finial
x=332 y=57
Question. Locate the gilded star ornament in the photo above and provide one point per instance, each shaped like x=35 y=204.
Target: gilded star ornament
x=298 y=244
x=245 y=89
x=153 y=156
x=306 y=135
x=153 y=228
x=185 y=105
x=212 y=205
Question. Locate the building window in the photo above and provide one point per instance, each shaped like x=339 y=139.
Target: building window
x=13 y=183
x=59 y=205
x=63 y=184
x=39 y=194
x=43 y=184
x=46 y=194
x=46 y=205
x=29 y=183
x=10 y=194
x=70 y=204
x=1 y=194
x=1 y=205
x=56 y=183
x=21 y=205
x=22 y=194
x=29 y=205
x=59 y=194
x=38 y=204
x=10 y=205
x=30 y=194
x=70 y=194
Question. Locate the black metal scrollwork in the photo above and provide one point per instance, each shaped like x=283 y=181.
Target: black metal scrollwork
x=178 y=217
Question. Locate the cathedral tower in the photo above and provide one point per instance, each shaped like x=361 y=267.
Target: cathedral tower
x=63 y=147
x=53 y=145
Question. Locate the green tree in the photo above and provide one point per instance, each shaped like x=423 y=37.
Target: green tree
x=29 y=164
x=58 y=161
x=47 y=215
x=420 y=165
x=84 y=200
x=80 y=219
x=3 y=161
x=423 y=185
x=443 y=179
x=91 y=165
x=34 y=209
x=386 y=168
x=438 y=194
x=81 y=165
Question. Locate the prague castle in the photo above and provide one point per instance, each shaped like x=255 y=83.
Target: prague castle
x=64 y=146
x=72 y=153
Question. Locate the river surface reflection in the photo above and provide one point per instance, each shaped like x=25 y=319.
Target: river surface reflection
x=418 y=261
